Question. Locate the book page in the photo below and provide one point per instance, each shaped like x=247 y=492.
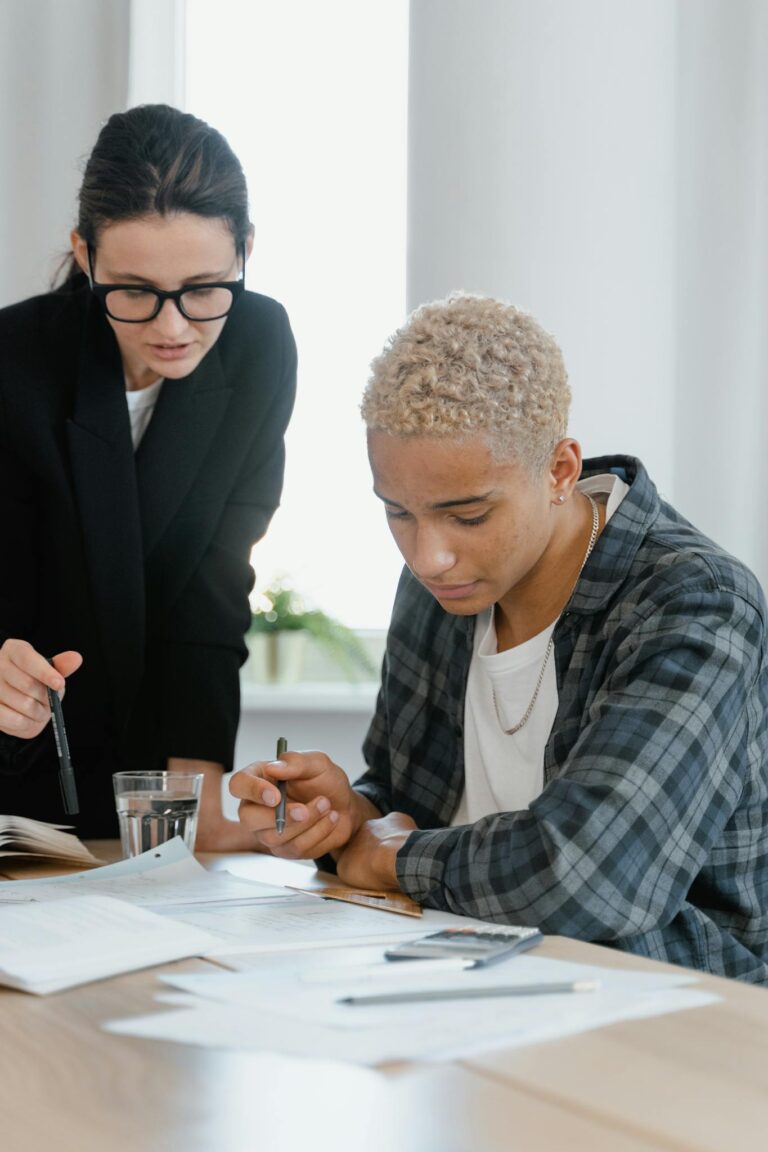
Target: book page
x=21 y=836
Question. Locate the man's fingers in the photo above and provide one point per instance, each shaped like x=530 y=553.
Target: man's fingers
x=298 y=817
x=316 y=841
x=290 y=766
x=252 y=784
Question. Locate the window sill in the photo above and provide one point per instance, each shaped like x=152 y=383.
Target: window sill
x=309 y=696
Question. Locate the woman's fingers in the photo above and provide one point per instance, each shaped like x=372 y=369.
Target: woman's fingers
x=15 y=723
x=15 y=679
x=29 y=707
x=24 y=710
x=26 y=670
x=67 y=662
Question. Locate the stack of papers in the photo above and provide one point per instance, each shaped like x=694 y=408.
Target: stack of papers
x=47 y=947
x=157 y=907
x=297 y=958
x=283 y=1005
x=242 y=915
x=20 y=836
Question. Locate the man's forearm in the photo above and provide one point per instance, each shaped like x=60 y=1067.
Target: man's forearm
x=363 y=810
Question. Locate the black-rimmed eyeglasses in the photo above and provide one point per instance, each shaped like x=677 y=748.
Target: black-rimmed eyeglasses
x=137 y=303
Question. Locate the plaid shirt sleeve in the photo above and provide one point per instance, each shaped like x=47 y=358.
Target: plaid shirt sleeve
x=650 y=785
x=650 y=831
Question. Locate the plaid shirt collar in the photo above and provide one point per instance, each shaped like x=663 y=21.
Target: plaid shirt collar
x=614 y=553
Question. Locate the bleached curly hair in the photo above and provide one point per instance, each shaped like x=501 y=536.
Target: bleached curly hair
x=469 y=365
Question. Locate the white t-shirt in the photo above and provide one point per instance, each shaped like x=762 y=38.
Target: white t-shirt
x=141 y=405
x=504 y=773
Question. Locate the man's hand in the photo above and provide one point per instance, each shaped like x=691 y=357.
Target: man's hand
x=322 y=810
x=24 y=677
x=215 y=833
x=368 y=861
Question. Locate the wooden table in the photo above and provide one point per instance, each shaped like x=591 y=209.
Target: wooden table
x=695 y=1080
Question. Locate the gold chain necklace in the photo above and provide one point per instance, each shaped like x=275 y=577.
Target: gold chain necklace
x=527 y=714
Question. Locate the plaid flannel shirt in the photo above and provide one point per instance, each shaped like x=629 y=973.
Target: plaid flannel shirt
x=650 y=832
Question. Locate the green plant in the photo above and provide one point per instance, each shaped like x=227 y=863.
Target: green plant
x=282 y=609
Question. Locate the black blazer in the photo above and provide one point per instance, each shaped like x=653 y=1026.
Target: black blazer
x=139 y=561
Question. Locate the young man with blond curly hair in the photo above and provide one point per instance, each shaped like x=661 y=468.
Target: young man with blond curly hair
x=571 y=729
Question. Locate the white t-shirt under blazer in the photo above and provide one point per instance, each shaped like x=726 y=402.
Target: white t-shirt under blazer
x=141 y=405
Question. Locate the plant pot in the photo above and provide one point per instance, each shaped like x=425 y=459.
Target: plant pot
x=276 y=657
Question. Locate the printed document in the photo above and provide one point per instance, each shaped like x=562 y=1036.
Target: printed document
x=282 y=1011
x=50 y=946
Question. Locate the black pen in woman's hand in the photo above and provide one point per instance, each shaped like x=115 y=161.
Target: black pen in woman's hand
x=282 y=746
x=66 y=773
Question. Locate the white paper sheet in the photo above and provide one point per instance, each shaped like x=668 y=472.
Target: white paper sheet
x=46 y=947
x=309 y=923
x=298 y=1018
x=164 y=879
x=290 y=990
x=244 y=915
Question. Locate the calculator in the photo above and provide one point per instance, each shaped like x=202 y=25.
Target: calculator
x=480 y=946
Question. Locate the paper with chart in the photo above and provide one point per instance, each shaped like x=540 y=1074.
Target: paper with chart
x=275 y=1009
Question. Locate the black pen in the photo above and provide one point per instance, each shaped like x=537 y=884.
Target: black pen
x=282 y=746
x=66 y=773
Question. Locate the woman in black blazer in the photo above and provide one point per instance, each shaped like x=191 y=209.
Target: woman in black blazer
x=142 y=412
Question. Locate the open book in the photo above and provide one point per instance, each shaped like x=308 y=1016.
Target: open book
x=20 y=836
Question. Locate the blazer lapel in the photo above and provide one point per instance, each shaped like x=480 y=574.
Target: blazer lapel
x=104 y=475
x=179 y=435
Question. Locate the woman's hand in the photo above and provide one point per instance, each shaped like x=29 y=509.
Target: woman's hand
x=24 y=677
x=322 y=810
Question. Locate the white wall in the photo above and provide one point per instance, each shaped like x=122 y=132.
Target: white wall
x=604 y=165
x=64 y=68
x=542 y=171
x=722 y=401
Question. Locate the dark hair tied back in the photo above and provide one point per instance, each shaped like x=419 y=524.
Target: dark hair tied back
x=156 y=159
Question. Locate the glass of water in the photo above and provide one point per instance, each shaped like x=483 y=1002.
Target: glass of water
x=153 y=807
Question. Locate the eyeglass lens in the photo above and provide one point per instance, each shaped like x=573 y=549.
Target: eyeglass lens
x=142 y=304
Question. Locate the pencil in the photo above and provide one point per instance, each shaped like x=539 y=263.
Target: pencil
x=480 y=993
x=282 y=746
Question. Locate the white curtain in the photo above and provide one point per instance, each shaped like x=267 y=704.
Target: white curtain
x=603 y=164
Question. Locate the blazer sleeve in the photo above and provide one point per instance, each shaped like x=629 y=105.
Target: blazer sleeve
x=203 y=631
x=19 y=576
